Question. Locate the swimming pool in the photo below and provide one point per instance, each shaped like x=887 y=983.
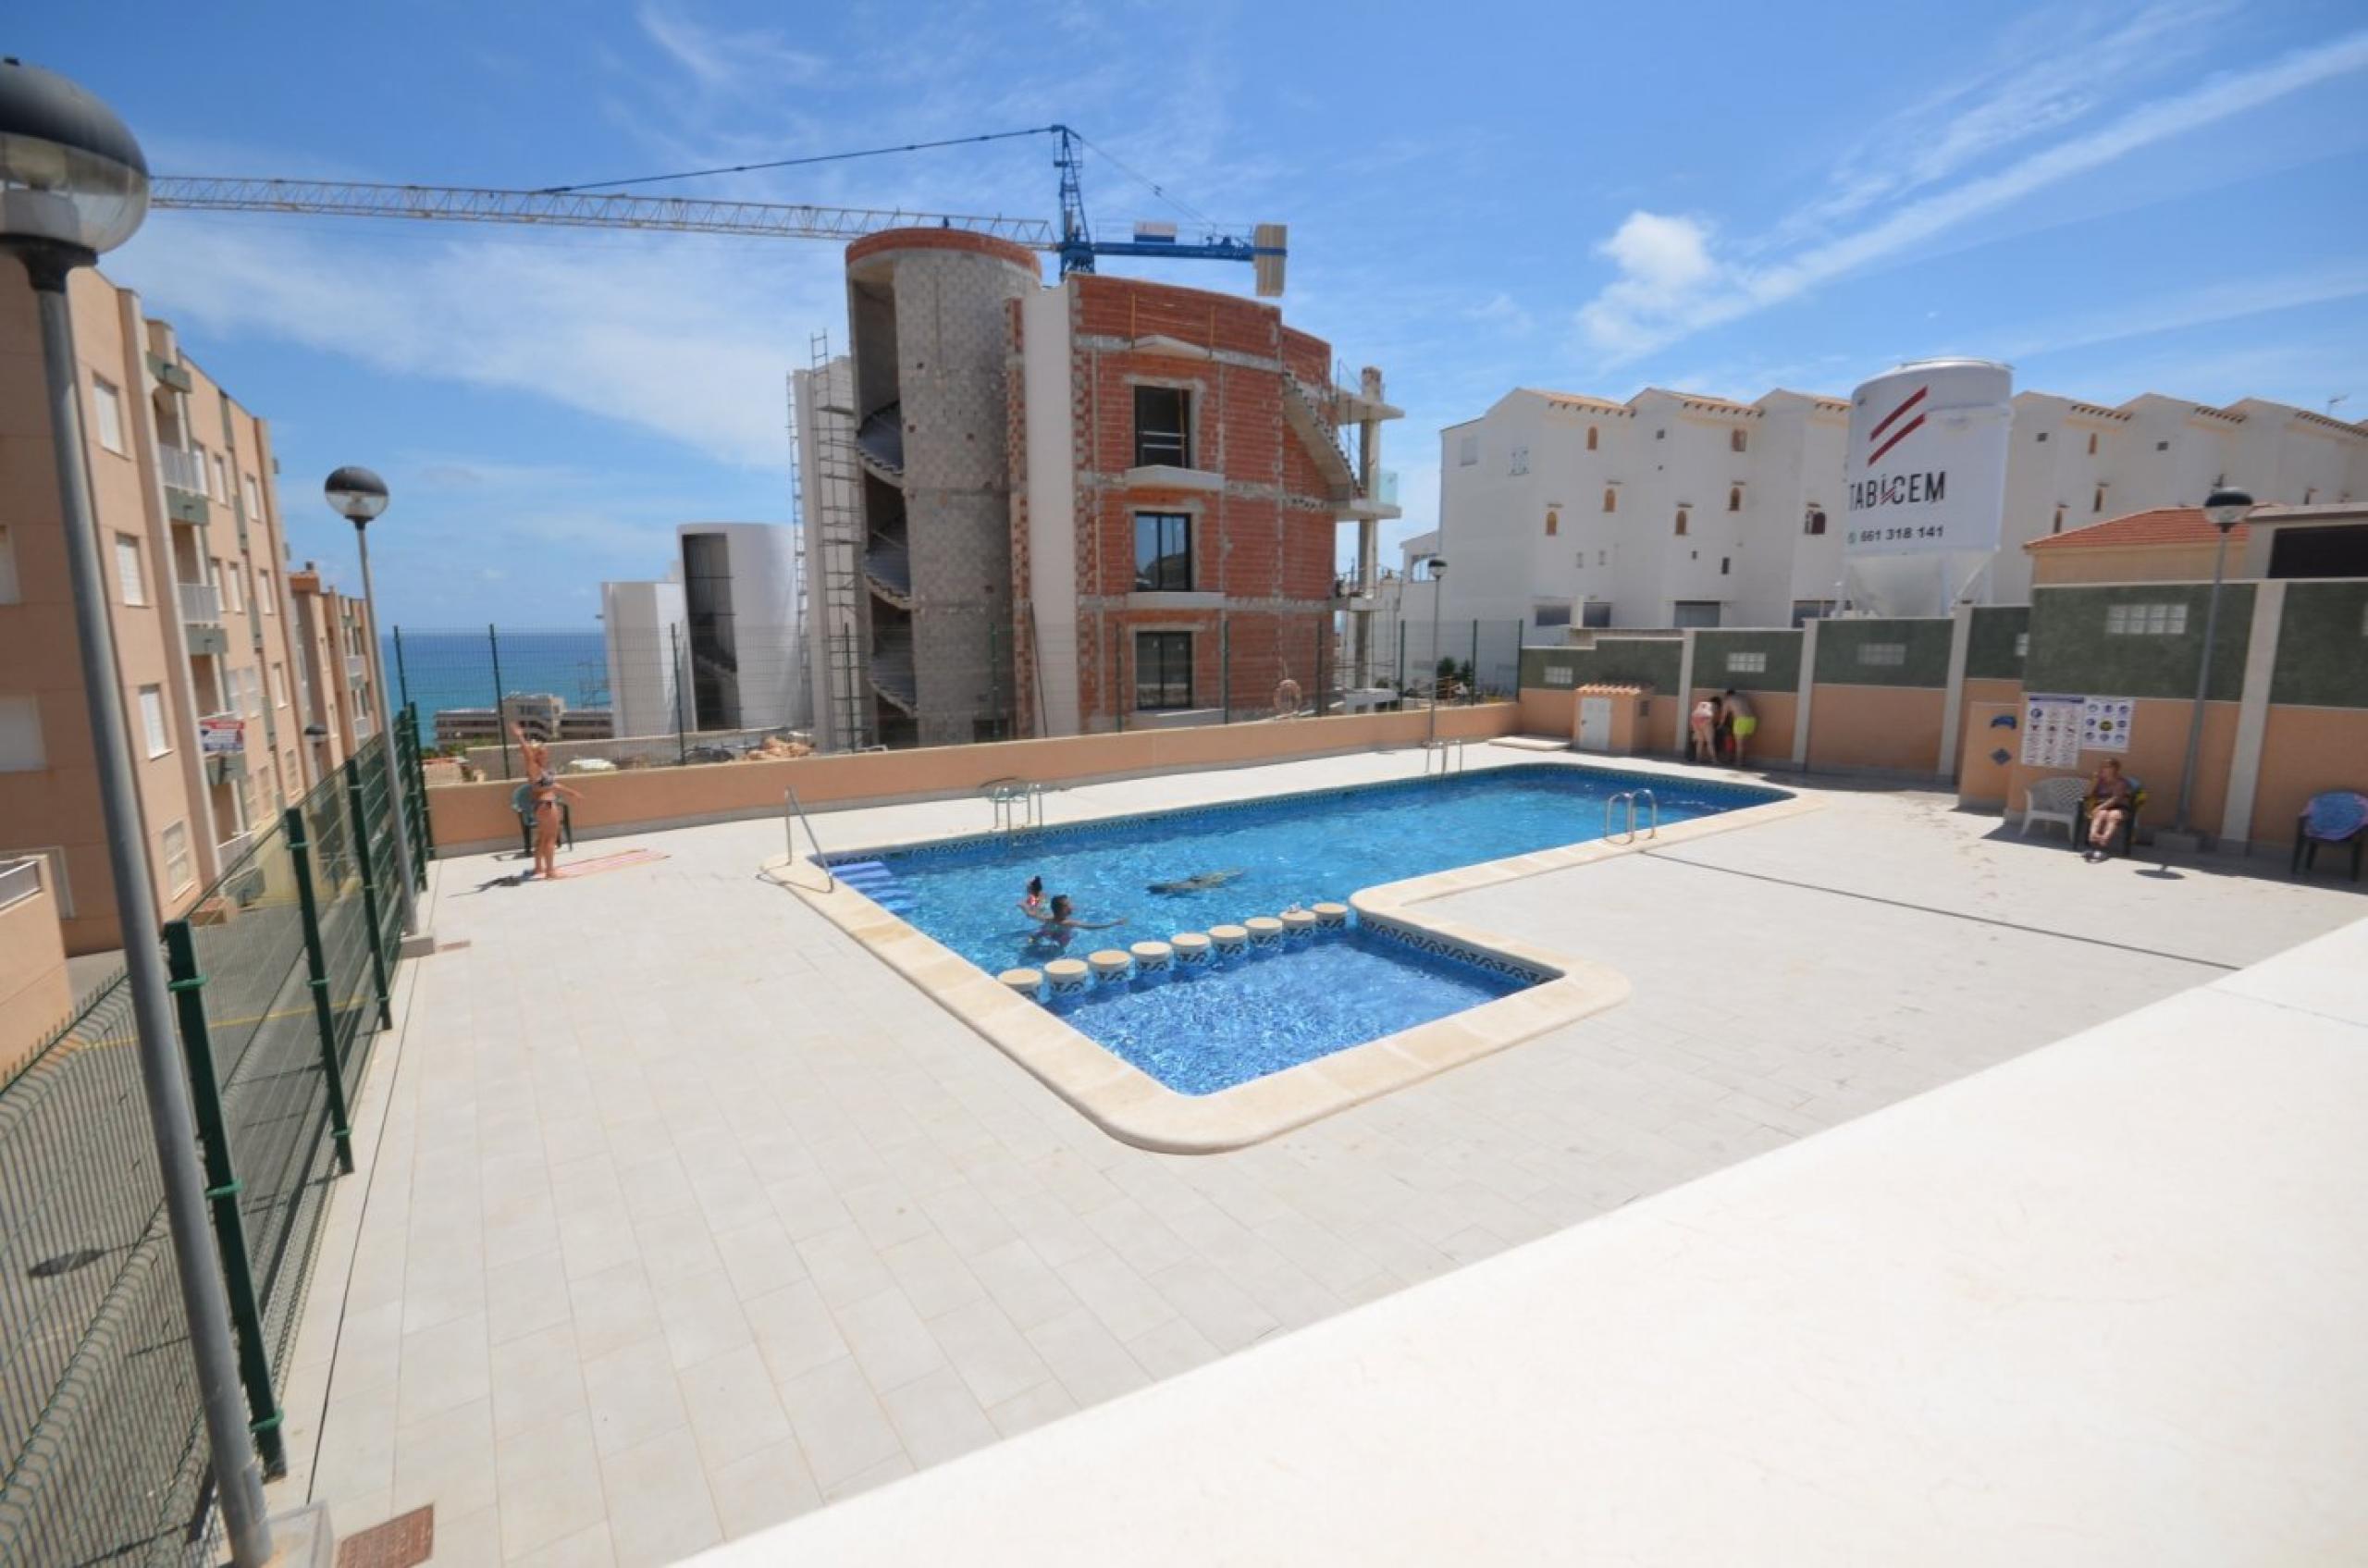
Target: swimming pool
x=1244 y=1018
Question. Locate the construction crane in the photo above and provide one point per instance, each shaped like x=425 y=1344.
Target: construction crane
x=587 y=207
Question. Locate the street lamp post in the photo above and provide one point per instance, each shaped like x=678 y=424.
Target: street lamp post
x=358 y=495
x=73 y=183
x=2225 y=508
x=1438 y=580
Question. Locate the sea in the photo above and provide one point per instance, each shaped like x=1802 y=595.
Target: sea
x=436 y=670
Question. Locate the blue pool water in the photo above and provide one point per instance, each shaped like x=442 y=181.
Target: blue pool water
x=1206 y=1030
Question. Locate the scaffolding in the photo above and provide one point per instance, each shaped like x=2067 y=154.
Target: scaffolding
x=846 y=721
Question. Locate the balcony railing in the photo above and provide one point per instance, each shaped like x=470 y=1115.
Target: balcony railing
x=182 y=471
x=19 y=879
x=357 y=667
x=200 y=604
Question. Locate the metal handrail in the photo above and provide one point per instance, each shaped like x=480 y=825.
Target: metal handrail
x=1653 y=822
x=1016 y=803
x=793 y=813
x=1443 y=749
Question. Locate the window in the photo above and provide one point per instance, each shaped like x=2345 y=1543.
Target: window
x=177 y=874
x=1695 y=613
x=1603 y=557
x=1163 y=552
x=263 y=593
x=2146 y=620
x=21 y=748
x=128 y=576
x=1596 y=612
x=1519 y=463
x=2092 y=443
x=2162 y=446
x=1590 y=438
x=1660 y=435
x=2097 y=502
x=1160 y=426
x=1811 y=610
x=2309 y=496
x=279 y=686
x=1553 y=522
x=1737 y=440
x=255 y=500
x=1467 y=451
x=1681 y=522
x=151 y=720
x=1747 y=663
x=109 y=417
x=2022 y=644
x=232 y=598
x=1734 y=494
x=2059 y=522
x=1814 y=523
x=2041 y=437
x=1724 y=563
x=9 y=592
x=1556 y=614
x=1162 y=670
x=1883 y=654
x=221 y=491
x=1611 y=499
x=1560 y=676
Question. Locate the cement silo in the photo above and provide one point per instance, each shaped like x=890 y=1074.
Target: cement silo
x=1927 y=485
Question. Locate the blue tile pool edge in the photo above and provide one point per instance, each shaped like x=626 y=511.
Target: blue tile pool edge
x=1135 y=1108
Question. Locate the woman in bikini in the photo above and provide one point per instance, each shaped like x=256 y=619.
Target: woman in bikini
x=543 y=792
x=1057 y=924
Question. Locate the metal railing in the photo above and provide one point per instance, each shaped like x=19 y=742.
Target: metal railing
x=1628 y=836
x=19 y=879
x=200 y=604
x=793 y=813
x=181 y=470
x=1017 y=803
x=1449 y=754
x=357 y=667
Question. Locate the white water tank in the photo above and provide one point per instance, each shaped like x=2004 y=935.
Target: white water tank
x=1927 y=485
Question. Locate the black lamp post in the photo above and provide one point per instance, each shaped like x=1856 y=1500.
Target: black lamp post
x=1438 y=590
x=358 y=496
x=2225 y=508
x=73 y=183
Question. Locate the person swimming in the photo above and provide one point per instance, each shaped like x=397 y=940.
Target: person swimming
x=1057 y=924
x=1200 y=882
x=1034 y=902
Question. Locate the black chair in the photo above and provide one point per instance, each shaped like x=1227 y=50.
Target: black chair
x=525 y=810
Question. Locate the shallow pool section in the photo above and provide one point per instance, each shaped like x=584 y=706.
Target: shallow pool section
x=1245 y=1017
x=1242 y=1018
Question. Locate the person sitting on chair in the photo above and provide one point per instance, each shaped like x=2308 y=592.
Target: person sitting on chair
x=2109 y=808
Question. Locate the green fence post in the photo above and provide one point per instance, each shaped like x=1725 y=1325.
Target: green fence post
x=402 y=674
x=1402 y=661
x=426 y=837
x=222 y=1188
x=674 y=656
x=300 y=850
x=500 y=720
x=369 y=889
x=1472 y=686
x=1225 y=668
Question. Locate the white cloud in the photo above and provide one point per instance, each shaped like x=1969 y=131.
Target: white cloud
x=690 y=339
x=1672 y=283
x=730 y=62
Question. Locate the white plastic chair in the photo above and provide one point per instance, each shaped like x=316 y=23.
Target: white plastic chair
x=2054 y=800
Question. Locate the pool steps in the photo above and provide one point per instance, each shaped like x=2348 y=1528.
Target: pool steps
x=876 y=882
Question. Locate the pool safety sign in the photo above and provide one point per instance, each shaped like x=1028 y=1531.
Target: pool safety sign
x=2104 y=723
x=2052 y=731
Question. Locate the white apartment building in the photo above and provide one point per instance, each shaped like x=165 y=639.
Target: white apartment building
x=1675 y=509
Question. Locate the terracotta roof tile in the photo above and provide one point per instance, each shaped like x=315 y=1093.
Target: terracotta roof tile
x=2164 y=525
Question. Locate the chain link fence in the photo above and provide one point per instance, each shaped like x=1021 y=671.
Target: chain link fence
x=280 y=972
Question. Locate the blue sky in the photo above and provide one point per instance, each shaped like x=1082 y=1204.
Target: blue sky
x=2170 y=197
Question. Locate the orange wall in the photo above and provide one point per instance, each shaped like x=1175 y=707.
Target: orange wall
x=1550 y=711
x=1981 y=781
x=1894 y=728
x=1778 y=712
x=2157 y=753
x=471 y=817
x=2303 y=751
x=35 y=994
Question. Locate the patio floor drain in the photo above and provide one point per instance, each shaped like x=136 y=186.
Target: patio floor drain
x=401 y=1542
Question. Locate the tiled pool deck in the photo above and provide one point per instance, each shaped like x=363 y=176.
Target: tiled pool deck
x=680 y=1214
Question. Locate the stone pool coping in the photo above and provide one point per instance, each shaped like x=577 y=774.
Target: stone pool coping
x=1135 y=1108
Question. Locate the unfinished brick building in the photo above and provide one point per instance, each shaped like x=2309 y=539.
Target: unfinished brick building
x=1166 y=474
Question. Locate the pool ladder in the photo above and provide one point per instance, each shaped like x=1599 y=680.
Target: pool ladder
x=1016 y=803
x=793 y=811
x=1449 y=753
x=1652 y=821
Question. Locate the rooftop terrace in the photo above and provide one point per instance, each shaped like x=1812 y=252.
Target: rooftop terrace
x=680 y=1214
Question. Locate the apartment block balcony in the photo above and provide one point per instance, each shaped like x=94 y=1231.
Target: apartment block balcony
x=202 y=631
x=357 y=667
x=1382 y=505
x=184 y=478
